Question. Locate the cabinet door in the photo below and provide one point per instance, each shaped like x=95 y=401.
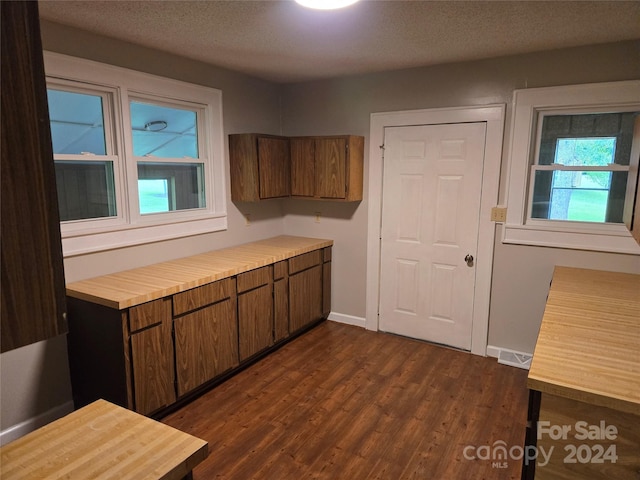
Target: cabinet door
x=255 y=320
x=273 y=167
x=255 y=310
x=602 y=443
x=206 y=343
x=326 y=283
x=33 y=290
x=152 y=358
x=303 y=167
x=305 y=297
x=280 y=300
x=331 y=158
x=281 y=309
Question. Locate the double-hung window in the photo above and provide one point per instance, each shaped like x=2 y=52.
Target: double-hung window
x=573 y=166
x=138 y=158
x=581 y=167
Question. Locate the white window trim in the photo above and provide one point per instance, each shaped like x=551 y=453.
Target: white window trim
x=131 y=228
x=612 y=96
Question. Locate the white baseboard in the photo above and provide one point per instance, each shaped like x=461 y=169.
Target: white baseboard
x=13 y=433
x=493 y=351
x=348 y=319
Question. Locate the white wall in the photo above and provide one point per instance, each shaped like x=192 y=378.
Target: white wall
x=521 y=274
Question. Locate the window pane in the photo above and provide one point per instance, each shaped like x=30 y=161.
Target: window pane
x=586 y=151
x=85 y=190
x=579 y=196
x=567 y=139
x=77 y=122
x=154 y=195
x=163 y=131
x=183 y=185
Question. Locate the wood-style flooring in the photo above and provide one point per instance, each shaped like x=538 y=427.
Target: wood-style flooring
x=340 y=402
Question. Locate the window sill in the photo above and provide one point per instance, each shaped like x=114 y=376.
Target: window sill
x=139 y=235
x=616 y=239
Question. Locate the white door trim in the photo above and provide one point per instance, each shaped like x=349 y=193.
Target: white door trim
x=493 y=115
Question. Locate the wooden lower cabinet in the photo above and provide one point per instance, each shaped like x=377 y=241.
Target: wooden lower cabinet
x=152 y=355
x=206 y=344
x=152 y=362
x=255 y=311
x=586 y=442
x=326 y=282
x=581 y=441
x=280 y=301
x=305 y=290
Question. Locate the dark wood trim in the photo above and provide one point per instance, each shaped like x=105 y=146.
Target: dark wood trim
x=33 y=288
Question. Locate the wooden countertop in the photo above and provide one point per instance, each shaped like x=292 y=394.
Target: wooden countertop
x=133 y=287
x=588 y=348
x=105 y=441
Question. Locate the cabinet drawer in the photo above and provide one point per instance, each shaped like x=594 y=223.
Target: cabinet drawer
x=304 y=261
x=279 y=270
x=200 y=296
x=146 y=314
x=254 y=278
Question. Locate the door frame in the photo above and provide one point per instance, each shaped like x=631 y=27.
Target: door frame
x=494 y=116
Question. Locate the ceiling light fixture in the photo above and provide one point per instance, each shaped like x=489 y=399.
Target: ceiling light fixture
x=326 y=4
x=155 y=126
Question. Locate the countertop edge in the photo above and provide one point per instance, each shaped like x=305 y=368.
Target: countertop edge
x=134 y=300
x=585 y=396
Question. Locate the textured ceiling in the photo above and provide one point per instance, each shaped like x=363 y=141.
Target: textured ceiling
x=284 y=42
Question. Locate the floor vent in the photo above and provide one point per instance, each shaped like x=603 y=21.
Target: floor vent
x=515 y=359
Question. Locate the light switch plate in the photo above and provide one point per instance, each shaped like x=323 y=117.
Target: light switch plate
x=499 y=214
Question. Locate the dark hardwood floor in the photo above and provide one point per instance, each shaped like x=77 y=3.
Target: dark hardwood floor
x=341 y=402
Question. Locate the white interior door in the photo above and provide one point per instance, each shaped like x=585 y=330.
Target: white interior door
x=432 y=184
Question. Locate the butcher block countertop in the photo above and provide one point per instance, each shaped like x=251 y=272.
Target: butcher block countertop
x=103 y=440
x=132 y=287
x=588 y=348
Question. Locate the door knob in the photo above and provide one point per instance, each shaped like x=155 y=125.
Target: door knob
x=469 y=260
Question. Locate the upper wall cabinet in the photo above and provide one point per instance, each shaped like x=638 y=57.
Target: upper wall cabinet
x=259 y=167
x=33 y=292
x=316 y=168
x=327 y=168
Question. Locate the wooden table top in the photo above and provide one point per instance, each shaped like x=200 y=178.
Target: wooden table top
x=588 y=348
x=103 y=441
x=133 y=287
